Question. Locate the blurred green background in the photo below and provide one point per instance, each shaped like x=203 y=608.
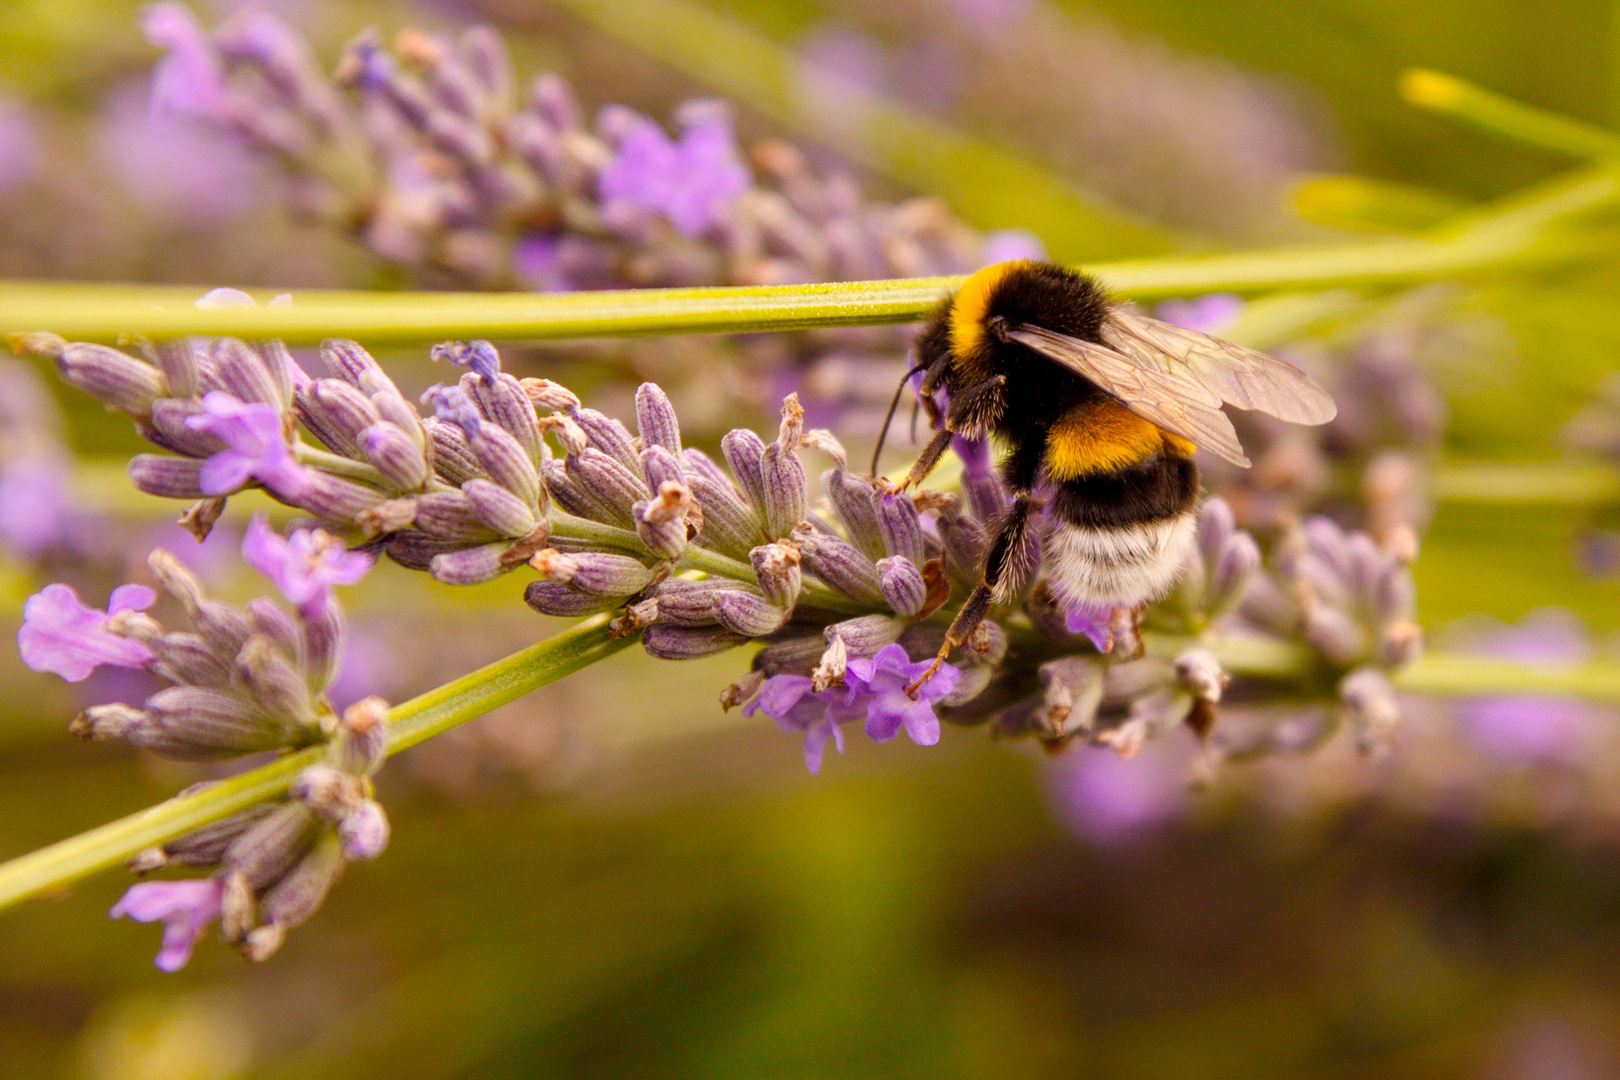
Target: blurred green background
x=615 y=879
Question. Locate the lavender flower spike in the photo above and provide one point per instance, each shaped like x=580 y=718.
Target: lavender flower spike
x=882 y=681
x=255 y=448
x=184 y=907
x=60 y=634
x=304 y=566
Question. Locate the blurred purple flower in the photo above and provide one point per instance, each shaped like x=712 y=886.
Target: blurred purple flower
x=789 y=701
x=256 y=446
x=368 y=664
x=690 y=182
x=988 y=16
x=1109 y=799
x=184 y=907
x=60 y=634
x=190 y=79
x=837 y=52
x=1207 y=313
x=305 y=566
x=19 y=145
x=1091 y=620
x=176 y=166
x=882 y=681
x=35 y=514
x=1006 y=245
x=1523 y=729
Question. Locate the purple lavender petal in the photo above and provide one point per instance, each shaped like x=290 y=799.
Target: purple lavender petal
x=1092 y=621
x=256 y=448
x=1206 y=314
x=305 y=566
x=1008 y=245
x=883 y=679
x=184 y=907
x=35 y=514
x=190 y=80
x=179 y=168
x=1109 y=799
x=62 y=635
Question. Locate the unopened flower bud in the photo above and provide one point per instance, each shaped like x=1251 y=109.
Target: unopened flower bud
x=206 y=846
x=395 y=454
x=987 y=644
x=744 y=453
x=185 y=658
x=656 y=420
x=668 y=642
x=243 y=373
x=776 y=568
x=453 y=458
x=545 y=394
x=450 y=515
x=864 y=635
x=337 y=413
x=856 y=502
x=166 y=477
x=1215 y=526
x=729 y=526
x=362 y=737
x=1238 y=562
x=294 y=898
x=783 y=480
x=661 y=524
x=609 y=436
x=1200 y=673
x=328 y=791
x=364 y=832
x=470 y=566
x=270 y=847
x=336 y=500
x=554 y=598
x=898 y=525
x=1334 y=634
x=111 y=377
x=168 y=422
x=194 y=723
x=748 y=614
x=602 y=574
x=902 y=584
x=499 y=509
x=506 y=462
x=839 y=564
x=610 y=483
x=1370 y=704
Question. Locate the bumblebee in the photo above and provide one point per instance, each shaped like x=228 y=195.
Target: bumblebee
x=1100 y=409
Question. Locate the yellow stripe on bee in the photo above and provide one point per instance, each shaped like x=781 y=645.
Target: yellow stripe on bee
x=971 y=305
x=1101 y=436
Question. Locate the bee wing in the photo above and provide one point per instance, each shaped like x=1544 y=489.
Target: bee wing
x=1180 y=406
x=1236 y=375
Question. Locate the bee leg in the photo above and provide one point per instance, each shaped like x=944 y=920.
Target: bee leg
x=924 y=465
x=1008 y=541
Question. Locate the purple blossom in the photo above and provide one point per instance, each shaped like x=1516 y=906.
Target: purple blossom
x=1528 y=728
x=789 y=701
x=1007 y=245
x=304 y=566
x=176 y=166
x=61 y=634
x=451 y=404
x=1091 y=620
x=988 y=16
x=184 y=907
x=478 y=355
x=19 y=145
x=1207 y=313
x=1108 y=799
x=690 y=182
x=881 y=682
x=256 y=448
x=190 y=80
x=35 y=514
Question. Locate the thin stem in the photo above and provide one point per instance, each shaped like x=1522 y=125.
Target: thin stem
x=411 y=722
x=1489 y=110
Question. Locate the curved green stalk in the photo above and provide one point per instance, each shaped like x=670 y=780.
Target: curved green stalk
x=410 y=722
x=1502 y=115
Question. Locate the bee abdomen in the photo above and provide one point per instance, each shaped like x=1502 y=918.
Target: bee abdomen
x=1118 y=567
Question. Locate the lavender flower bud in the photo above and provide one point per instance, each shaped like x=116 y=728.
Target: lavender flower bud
x=395 y=410
x=688 y=642
x=691 y=603
x=1366 y=566
x=964 y=544
x=987 y=645
x=836 y=562
x=970 y=683
x=659 y=467
x=656 y=421
x=322 y=641
x=177 y=359
x=499 y=508
x=239 y=908
x=470 y=566
x=328 y=791
x=609 y=436
x=902 y=585
x=186 y=659
x=1393 y=595
x=1370 y=704
x=782 y=475
x=744 y=453
x=1400 y=643
x=206 y=845
x=102 y=723
x=395 y=454
x=606 y=478
x=193 y=723
x=728 y=525
x=1334 y=634
x=897 y=522
x=450 y=515
x=1071 y=691
x=243 y=373
x=267 y=676
x=864 y=635
x=545 y=394
x=776 y=567
x=601 y=574
x=795 y=656
x=166 y=477
x=349 y=361
x=362 y=740
x=502 y=400
x=506 y=462
x=336 y=500
x=294 y=898
x=661 y=524
x=1238 y=563
x=554 y=598
x=570 y=494
x=111 y=377
x=337 y=413
x=285 y=374
x=1200 y=673
x=856 y=502
x=168 y=421
x=1215 y=525
x=697 y=464
x=1326 y=541
x=364 y=832
x=453 y=459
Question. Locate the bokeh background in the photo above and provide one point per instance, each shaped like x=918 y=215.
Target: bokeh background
x=614 y=878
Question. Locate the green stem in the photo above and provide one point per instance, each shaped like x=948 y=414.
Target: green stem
x=1504 y=116
x=411 y=722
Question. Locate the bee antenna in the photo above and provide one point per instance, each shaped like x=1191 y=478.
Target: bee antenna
x=889 y=418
